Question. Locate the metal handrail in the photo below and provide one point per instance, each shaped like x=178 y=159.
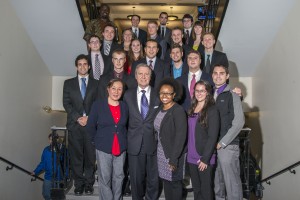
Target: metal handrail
x=289 y=168
x=13 y=165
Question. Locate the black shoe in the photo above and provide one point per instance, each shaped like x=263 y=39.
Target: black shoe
x=79 y=191
x=89 y=189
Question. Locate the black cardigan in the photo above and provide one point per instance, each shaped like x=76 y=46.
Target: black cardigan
x=173 y=133
x=206 y=138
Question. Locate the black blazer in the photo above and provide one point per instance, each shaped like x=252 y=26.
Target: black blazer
x=141 y=132
x=161 y=70
x=186 y=98
x=142 y=36
x=129 y=81
x=217 y=58
x=108 y=66
x=101 y=126
x=113 y=47
x=167 y=37
x=173 y=133
x=206 y=138
x=73 y=103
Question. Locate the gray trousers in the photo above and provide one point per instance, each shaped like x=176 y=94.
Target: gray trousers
x=227 y=177
x=110 y=175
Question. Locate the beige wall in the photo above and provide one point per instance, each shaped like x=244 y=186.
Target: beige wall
x=276 y=98
x=25 y=86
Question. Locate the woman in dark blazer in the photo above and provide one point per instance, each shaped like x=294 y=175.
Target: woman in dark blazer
x=107 y=126
x=203 y=123
x=171 y=128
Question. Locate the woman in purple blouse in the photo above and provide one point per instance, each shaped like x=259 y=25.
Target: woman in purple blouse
x=203 y=126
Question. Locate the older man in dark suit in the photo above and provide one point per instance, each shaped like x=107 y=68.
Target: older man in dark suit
x=159 y=68
x=78 y=95
x=142 y=103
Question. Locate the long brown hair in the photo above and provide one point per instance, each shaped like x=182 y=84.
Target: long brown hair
x=131 y=55
x=209 y=101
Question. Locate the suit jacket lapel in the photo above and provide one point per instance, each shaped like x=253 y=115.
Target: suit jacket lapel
x=77 y=88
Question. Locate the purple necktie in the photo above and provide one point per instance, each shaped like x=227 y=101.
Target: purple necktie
x=144 y=105
x=193 y=82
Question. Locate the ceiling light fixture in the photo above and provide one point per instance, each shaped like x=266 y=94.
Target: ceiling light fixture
x=172 y=17
x=130 y=16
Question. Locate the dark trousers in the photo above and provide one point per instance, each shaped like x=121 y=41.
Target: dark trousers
x=202 y=182
x=82 y=157
x=173 y=189
x=143 y=174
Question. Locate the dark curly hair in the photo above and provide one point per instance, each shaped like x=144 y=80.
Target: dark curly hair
x=174 y=84
x=209 y=101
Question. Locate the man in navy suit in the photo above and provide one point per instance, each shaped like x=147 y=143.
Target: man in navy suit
x=163 y=31
x=96 y=61
x=177 y=66
x=189 y=79
x=187 y=21
x=176 y=36
x=78 y=95
x=139 y=33
x=152 y=28
x=108 y=43
x=212 y=57
x=159 y=68
x=141 y=139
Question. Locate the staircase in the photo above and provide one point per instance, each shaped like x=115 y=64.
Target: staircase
x=71 y=196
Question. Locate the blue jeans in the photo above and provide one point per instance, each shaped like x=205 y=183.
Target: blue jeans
x=47 y=189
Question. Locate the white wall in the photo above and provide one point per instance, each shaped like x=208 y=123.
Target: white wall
x=25 y=86
x=276 y=97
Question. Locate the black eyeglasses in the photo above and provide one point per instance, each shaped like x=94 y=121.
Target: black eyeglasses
x=166 y=94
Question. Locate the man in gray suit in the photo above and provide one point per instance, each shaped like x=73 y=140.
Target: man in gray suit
x=142 y=159
x=78 y=95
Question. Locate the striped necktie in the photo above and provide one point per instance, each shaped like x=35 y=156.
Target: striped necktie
x=107 y=49
x=97 y=71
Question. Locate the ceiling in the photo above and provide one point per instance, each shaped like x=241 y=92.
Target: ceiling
x=56 y=30
x=148 y=10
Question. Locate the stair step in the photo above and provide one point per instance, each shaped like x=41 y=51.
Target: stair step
x=95 y=196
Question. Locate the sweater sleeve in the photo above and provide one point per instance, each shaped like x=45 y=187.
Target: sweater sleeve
x=237 y=122
x=42 y=165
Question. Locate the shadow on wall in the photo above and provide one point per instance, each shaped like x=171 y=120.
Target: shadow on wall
x=252 y=120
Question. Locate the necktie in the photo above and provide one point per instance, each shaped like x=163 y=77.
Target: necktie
x=97 y=71
x=135 y=32
x=144 y=105
x=207 y=65
x=107 y=49
x=150 y=64
x=83 y=87
x=187 y=37
x=216 y=93
x=162 y=32
x=192 y=85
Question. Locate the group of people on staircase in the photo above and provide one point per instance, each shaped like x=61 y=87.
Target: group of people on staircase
x=159 y=100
